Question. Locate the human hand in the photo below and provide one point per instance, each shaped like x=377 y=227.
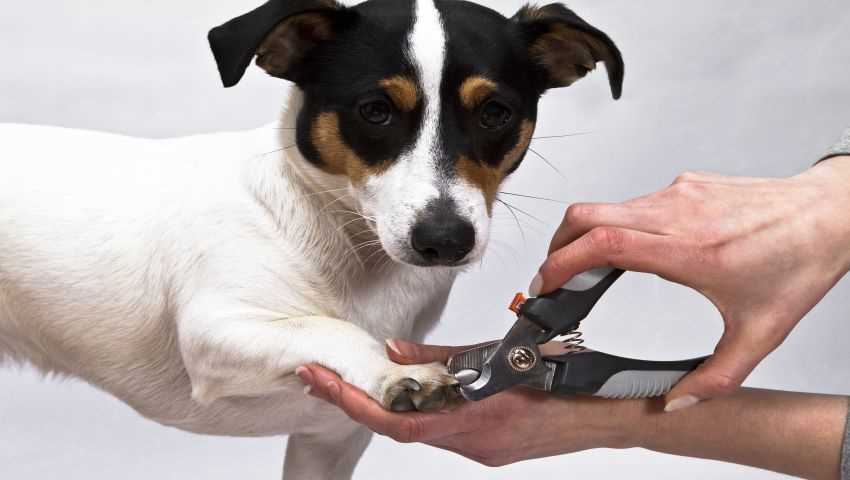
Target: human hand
x=512 y=426
x=763 y=251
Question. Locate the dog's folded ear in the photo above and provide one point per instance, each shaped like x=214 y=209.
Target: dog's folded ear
x=567 y=47
x=280 y=33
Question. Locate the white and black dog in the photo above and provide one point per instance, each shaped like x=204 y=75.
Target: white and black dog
x=191 y=277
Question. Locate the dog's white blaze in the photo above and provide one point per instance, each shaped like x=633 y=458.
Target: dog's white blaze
x=472 y=205
x=402 y=192
x=398 y=196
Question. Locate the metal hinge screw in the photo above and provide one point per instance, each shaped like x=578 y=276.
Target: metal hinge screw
x=522 y=359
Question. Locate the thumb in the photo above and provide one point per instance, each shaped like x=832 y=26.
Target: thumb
x=738 y=352
x=407 y=353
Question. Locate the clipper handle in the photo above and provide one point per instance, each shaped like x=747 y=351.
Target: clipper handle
x=602 y=375
x=561 y=311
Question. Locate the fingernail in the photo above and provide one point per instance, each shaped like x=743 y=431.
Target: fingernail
x=307 y=389
x=305 y=375
x=394 y=346
x=536 y=286
x=681 y=403
x=333 y=391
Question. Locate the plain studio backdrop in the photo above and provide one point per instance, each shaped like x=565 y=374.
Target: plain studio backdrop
x=748 y=88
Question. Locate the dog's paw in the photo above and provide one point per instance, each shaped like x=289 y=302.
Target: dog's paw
x=425 y=388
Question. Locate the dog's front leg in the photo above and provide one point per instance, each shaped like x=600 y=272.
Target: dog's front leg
x=250 y=353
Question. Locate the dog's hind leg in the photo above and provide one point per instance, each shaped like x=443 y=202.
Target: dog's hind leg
x=327 y=455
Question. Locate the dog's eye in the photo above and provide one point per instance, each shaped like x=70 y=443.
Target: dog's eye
x=495 y=115
x=376 y=112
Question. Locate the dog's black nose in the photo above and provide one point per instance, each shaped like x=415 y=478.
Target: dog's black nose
x=441 y=236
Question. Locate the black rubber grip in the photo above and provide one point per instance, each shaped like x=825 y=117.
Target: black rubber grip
x=589 y=371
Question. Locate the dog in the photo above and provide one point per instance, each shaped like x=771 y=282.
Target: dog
x=191 y=277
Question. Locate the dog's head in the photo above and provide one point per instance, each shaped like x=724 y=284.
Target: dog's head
x=425 y=105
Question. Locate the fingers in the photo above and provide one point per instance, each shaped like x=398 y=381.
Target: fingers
x=408 y=353
x=402 y=427
x=580 y=218
x=738 y=352
x=609 y=246
x=319 y=387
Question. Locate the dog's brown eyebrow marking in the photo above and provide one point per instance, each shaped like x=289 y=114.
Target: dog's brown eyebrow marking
x=337 y=157
x=403 y=92
x=474 y=90
x=526 y=130
x=488 y=178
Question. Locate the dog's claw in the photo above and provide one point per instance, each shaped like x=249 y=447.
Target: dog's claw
x=410 y=384
x=432 y=389
x=402 y=403
x=433 y=402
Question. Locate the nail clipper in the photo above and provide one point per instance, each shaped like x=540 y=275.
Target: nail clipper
x=529 y=356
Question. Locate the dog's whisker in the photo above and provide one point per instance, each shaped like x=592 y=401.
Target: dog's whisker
x=342 y=227
x=323 y=192
x=365 y=245
x=279 y=150
x=357 y=214
x=499 y=249
x=534 y=197
x=324 y=208
x=577 y=134
x=548 y=162
x=372 y=255
x=510 y=209
x=506 y=247
x=364 y=232
x=388 y=262
x=514 y=207
x=382 y=265
x=352 y=249
x=359 y=261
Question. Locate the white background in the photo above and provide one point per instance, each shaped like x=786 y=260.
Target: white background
x=754 y=88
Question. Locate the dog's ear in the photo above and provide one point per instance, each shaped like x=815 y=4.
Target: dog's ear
x=280 y=33
x=567 y=47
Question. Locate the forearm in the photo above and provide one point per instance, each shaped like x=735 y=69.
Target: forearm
x=793 y=433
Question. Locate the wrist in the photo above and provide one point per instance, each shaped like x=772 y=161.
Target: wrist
x=831 y=178
x=832 y=174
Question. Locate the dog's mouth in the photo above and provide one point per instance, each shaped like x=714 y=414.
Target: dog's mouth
x=423 y=263
x=417 y=259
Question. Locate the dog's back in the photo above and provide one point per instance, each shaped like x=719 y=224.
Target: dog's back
x=84 y=250
x=75 y=274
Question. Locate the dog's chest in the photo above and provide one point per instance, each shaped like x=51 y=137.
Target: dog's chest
x=399 y=302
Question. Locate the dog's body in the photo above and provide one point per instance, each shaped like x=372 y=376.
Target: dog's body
x=191 y=277
x=105 y=290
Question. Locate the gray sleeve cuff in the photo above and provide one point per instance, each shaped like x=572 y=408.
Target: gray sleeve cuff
x=845 y=449
x=840 y=148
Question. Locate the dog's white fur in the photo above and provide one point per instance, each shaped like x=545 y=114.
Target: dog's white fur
x=190 y=277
